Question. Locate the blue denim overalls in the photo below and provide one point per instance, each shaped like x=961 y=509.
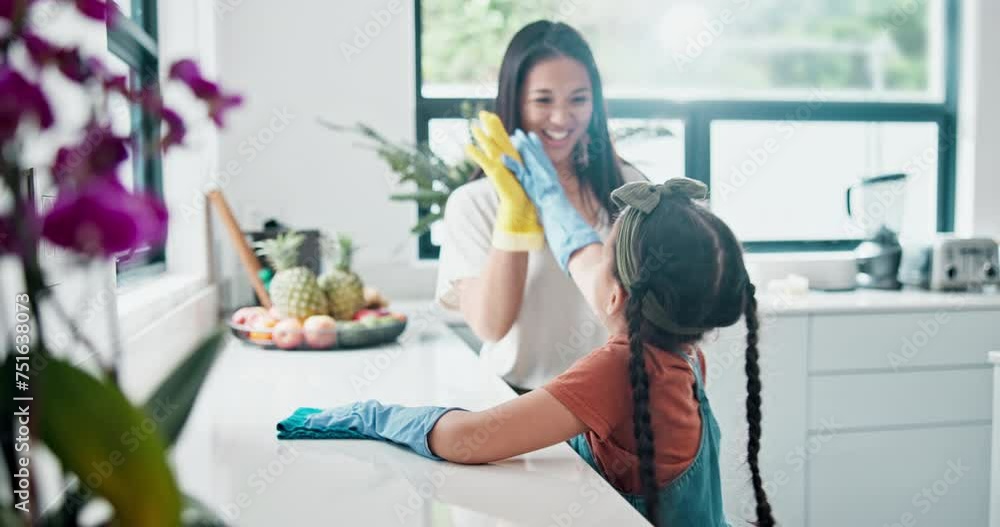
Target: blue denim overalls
x=695 y=497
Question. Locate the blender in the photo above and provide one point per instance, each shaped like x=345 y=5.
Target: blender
x=876 y=205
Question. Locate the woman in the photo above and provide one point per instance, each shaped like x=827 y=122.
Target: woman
x=529 y=313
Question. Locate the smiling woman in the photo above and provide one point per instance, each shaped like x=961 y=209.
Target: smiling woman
x=534 y=321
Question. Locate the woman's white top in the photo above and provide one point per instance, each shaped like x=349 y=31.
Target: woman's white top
x=555 y=326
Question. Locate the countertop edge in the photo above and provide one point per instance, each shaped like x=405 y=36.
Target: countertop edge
x=812 y=302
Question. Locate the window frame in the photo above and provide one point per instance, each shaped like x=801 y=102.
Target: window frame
x=136 y=43
x=698 y=116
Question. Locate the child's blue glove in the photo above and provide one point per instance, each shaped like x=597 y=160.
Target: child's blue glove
x=565 y=230
x=366 y=420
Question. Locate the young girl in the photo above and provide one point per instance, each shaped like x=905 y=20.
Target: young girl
x=512 y=295
x=634 y=408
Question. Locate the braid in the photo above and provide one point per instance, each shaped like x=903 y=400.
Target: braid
x=764 y=518
x=693 y=263
x=640 y=399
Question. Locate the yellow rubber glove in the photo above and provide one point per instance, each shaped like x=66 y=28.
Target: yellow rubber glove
x=517 y=227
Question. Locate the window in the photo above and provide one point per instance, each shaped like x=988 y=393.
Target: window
x=829 y=91
x=132 y=40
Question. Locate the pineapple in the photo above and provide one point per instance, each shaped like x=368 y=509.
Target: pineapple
x=294 y=290
x=344 y=289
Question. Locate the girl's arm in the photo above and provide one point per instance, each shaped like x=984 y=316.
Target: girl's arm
x=491 y=302
x=525 y=424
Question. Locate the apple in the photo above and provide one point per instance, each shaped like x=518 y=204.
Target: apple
x=287 y=333
x=369 y=320
x=320 y=331
x=247 y=316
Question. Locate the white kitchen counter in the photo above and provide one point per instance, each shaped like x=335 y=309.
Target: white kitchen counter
x=229 y=455
x=875 y=301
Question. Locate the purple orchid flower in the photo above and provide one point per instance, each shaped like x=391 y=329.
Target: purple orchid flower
x=69 y=60
x=96 y=9
x=218 y=107
x=176 y=130
x=103 y=219
x=116 y=83
x=96 y=157
x=187 y=72
x=40 y=50
x=20 y=98
x=152 y=103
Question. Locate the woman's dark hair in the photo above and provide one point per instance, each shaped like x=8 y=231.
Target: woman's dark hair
x=599 y=171
x=693 y=265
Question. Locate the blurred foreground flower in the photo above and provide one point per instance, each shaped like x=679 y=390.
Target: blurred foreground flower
x=187 y=71
x=98 y=156
x=103 y=219
x=96 y=9
x=20 y=99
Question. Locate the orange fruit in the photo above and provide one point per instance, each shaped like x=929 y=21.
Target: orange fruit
x=264 y=324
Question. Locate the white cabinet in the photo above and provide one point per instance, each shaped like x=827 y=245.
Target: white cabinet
x=783 y=378
x=897 y=341
x=913 y=477
x=911 y=398
x=995 y=452
x=876 y=417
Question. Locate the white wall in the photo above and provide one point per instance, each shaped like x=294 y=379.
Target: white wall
x=289 y=59
x=979 y=121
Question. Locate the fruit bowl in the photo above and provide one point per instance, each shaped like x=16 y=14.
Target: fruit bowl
x=321 y=332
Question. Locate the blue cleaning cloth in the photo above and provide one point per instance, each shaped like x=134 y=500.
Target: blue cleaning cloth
x=300 y=426
x=407 y=426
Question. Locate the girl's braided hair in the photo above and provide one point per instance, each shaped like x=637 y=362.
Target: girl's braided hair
x=691 y=264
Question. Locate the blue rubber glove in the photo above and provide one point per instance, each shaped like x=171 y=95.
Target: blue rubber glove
x=407 y=426
x=565 y=230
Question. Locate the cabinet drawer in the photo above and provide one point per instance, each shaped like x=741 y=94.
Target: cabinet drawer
x=934 y=477
x=900 y=340
x=893 y=399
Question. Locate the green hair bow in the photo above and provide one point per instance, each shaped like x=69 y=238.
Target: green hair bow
x=639 y=199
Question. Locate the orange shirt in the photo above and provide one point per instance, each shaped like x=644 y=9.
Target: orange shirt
x=598 y=391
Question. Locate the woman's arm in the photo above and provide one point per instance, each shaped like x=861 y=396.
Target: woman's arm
x=585 y=269
x=525 y=424
x=490 y=302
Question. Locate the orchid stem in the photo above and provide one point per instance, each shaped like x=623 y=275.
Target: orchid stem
x=34 y=283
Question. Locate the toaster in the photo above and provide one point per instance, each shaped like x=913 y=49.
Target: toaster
x=951 y=263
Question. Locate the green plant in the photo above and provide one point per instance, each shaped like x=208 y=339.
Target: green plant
x=433 y=178
x=86 y=428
